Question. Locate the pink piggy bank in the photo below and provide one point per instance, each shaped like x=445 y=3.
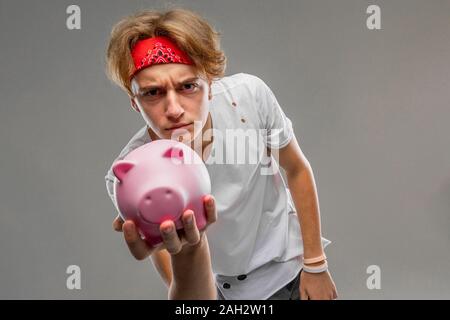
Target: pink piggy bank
x=159 y=181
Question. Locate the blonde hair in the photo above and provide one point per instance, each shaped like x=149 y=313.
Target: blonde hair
x=189 y=31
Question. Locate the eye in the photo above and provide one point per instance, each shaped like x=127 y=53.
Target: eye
x=189 y=87
x=150 y=93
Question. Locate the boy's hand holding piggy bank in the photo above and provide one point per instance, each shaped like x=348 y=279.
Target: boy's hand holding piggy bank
x=162 y=186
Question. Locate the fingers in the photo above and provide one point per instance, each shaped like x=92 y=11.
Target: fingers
x=117 y=224
x=170 y=237
x=210 y=208
x=138 y=247
x=171 y=240
x=303 y=295
x=191 y=233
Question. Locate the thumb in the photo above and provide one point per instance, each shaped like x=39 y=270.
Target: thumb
x=117 y=224
x=303 y=294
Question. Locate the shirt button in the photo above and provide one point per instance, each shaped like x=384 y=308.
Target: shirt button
x=242 y=277
x=226 y=285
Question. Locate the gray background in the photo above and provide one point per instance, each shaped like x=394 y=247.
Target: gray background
x=370 y=109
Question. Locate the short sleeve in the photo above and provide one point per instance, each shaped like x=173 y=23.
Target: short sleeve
x=277 y=125
x=110 y=180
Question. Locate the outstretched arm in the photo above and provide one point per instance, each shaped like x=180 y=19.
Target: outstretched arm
x=162 y=263
x=183 y=262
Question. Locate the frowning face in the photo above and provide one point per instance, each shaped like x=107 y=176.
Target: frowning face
x=171 y=98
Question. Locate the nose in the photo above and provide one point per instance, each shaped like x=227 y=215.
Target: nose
x=159 y=204
x=174 y=109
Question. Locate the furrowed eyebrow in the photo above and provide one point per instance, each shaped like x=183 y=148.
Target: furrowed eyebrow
x=150 y=87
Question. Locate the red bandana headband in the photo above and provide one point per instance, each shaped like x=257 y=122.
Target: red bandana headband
x=157 y=50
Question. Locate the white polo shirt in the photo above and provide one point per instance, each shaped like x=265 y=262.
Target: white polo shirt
x=256 y=243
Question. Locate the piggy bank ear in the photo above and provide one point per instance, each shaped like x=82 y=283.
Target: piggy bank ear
x=174 y=153
x=121 y=167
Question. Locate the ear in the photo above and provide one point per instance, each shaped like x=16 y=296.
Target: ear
x=121 y=168
x=134 y=105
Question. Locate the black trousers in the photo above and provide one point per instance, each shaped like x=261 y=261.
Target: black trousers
x=290 y=291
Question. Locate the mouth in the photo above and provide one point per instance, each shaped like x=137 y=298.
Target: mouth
x=179 y=126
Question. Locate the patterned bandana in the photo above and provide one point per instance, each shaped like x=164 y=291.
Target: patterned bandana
x=157 y=50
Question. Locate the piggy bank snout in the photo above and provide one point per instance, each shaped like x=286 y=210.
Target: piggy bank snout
x=159 y=204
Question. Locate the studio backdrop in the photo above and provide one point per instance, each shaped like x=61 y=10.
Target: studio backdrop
x=366 y=85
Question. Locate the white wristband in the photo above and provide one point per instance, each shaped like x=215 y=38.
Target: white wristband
x=316 y=269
